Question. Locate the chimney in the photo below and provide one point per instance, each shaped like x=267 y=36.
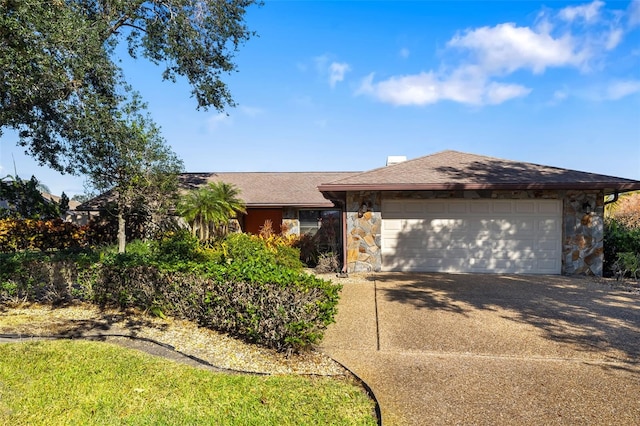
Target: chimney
x=395 y=159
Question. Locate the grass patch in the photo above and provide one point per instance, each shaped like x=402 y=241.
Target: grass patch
x=80 y=382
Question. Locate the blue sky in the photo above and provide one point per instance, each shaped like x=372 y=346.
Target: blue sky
x=342 y=85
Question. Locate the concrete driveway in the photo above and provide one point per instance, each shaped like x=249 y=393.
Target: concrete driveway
x=490 y=350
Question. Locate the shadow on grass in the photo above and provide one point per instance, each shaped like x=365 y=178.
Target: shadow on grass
x=105 y=321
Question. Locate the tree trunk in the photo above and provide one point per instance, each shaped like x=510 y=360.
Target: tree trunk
x=122 y=236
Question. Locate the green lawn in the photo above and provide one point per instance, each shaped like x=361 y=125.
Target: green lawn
x=80 y=382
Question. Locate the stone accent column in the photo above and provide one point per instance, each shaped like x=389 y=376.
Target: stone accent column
x=583 y=233
x=363 y=231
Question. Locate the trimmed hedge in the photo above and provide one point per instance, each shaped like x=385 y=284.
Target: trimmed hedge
x=240 y=287
x=290 y=317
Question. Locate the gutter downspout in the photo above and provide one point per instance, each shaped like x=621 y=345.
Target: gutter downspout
x=615 y=198
x=344 y=238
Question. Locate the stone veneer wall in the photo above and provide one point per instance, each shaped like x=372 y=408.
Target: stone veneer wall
x=363 y=233
x=582 y=232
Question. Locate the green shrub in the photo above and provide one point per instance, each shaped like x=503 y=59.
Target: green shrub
x=46 y=277
x=285 y=317
x=178 y=246
x=241 y=286
x=627 y=263
x=619 y=238
x=254 y=252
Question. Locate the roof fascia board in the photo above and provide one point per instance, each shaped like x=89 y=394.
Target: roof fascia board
x=620 y=186
x=267 y=205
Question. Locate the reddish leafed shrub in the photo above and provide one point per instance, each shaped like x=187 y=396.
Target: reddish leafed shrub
x=33 y=234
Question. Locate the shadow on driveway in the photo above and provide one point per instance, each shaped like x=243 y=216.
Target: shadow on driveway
x=579 y=312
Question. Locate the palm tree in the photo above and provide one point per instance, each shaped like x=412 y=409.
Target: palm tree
x=230 y=203
x=210 y=208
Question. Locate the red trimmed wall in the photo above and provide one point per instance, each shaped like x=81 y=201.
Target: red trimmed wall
x=255 y=218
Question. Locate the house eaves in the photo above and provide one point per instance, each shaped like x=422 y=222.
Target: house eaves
x=607 y=187
x=257 y=189
x=453 y=170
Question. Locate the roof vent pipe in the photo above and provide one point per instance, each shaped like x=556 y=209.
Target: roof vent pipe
x=395 y=159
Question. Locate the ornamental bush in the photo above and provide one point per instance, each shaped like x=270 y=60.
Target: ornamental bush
x=240 y=286
x=621 y=242
x=36 y=234
x=55 y=277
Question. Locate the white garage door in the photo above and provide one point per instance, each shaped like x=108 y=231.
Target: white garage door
x=495 y=236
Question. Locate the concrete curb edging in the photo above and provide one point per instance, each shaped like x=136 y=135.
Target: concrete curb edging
x=366 y=387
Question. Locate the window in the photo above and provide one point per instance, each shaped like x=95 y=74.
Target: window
x=312 y=220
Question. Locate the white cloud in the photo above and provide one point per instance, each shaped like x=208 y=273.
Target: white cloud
x=337 y=71
x=497 y=93
x=334 y=71
x=560 y=95
x=614 y=38
x=634 y=13
x=577 y=37
x=612 y=91
x=217 y=120
x=464 y=86
x=321 y=63
x=404 y=53
x=507 y=48
x=622 y=88
x=418 y=89
x=588 y=12
x=251 y=111
x=304 y=101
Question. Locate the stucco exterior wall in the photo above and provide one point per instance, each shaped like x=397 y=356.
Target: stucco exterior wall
x=582 y=236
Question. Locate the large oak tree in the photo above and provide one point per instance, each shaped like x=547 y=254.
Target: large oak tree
x=59 y=74
x=62 y=89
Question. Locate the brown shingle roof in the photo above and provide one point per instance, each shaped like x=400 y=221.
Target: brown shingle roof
x=258 y=189
x=449 y=170
x=264 y=189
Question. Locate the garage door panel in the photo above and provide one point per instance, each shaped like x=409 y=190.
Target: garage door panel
x=413 y=208
x=502 y=207
x=457 y=207
x=457 y=244
x=448 y=225
x=550 y=245
x=549 y=225
x=482 y=207
x=512 y=246
x=393 y=224
x=525 y=207
x=502 y=265
x=549 y=206
x=392 y=207
x=436 y=207
x=503 y=228
x=550 y=265
x=501 y=236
